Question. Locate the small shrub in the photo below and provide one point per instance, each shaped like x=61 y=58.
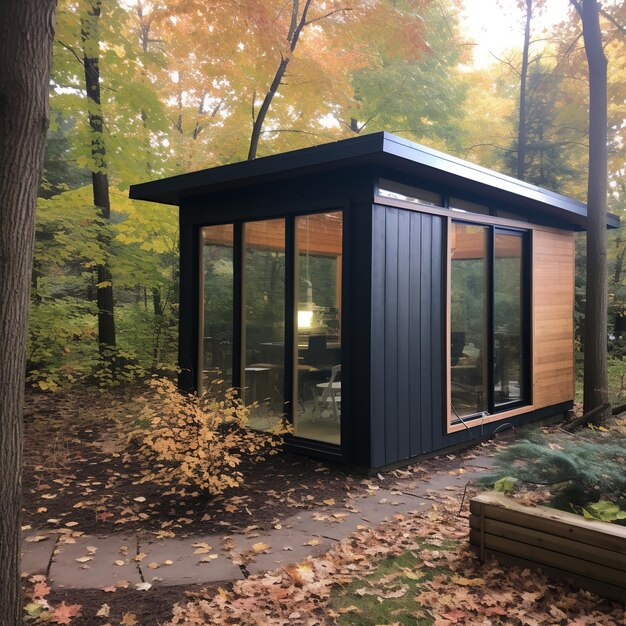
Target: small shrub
x=188 y=442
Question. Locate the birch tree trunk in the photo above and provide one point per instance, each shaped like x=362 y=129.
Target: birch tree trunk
x=26 y=35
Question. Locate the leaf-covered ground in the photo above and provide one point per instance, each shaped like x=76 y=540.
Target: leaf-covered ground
x=75 y=478
x=413 y=570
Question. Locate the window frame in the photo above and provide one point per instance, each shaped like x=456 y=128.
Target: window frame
x=493 y=411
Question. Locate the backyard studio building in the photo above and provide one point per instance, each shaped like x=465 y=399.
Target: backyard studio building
x=388 y=299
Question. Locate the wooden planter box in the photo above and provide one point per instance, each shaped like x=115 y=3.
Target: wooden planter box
x=589 y=554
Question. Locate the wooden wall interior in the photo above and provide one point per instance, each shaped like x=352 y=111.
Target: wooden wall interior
x=322 y=233
x=553 y=317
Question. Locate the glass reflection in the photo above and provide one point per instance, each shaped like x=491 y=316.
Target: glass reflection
x=264 y=321
x=508 y=330
x=469 y=305
x=317 y=393
x=216 y=353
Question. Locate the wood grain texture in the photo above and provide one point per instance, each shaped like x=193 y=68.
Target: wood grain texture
x=591 y=554
x=552 y=317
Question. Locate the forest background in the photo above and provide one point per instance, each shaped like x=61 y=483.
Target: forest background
x=142 y=90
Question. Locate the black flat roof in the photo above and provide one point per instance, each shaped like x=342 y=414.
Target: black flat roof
x=381 y=149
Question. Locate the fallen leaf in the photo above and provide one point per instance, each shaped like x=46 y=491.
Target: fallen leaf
x=103 y=611
x=260 y=547
x=84 y=559
x=41 y=589
x=468 y=582
x=129 y=619
x=36 y=538
x=64 y=613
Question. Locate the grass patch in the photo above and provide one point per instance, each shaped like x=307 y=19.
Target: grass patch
x=387 y=595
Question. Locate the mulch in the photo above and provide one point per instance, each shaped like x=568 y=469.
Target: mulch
x=75 y=474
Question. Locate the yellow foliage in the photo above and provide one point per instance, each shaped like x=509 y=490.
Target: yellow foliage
x=186 y=441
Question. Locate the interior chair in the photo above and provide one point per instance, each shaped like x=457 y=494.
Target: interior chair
x=330 y=400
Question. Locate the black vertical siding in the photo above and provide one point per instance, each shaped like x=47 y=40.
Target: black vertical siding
x=189 y=303
x=407 y=377
x=377 y=346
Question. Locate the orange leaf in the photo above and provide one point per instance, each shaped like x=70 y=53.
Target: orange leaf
x=64 y=613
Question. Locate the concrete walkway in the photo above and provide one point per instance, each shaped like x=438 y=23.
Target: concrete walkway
x=101 y=562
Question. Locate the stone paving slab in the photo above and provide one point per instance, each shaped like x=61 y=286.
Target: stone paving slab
x=436 y=487
x=36 y=556
x=332 y=524
x=101 y=570
x=286 y=546
x=385 y=503
x=481 y=462
x=179 y=565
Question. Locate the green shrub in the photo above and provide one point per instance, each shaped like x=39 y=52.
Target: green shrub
x=579 y=473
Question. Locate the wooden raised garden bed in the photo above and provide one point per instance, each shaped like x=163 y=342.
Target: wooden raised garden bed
x=589 y=554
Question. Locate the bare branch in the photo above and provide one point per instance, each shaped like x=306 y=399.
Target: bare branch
x=70 y=49
x=505 y=63
x=322 y=17
x=622 y=29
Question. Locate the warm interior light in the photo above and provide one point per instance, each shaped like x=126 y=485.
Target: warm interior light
x=305 y=319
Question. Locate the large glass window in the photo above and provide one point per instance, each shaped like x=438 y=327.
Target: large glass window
x=488 y=317
x=216 y=351
x=508 y=308
x=468 y=316
x=317 y=388
x=263 y=342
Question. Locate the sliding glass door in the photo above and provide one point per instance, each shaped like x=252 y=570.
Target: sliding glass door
x=489 y=320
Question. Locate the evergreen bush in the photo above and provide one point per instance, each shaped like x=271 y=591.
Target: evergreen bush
x=579 y=472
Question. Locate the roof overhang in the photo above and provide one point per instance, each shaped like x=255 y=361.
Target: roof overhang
x=378 y=149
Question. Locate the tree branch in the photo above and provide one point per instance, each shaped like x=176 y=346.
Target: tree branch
x=70 y=49
x=505 y=63
x=622 y=29
x=322 y=17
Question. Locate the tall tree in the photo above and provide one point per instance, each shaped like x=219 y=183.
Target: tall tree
x=521 y=127
x=26 y=34
x=595 y=339
x=99 y=176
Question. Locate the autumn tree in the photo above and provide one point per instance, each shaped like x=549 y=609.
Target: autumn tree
x=26 y=34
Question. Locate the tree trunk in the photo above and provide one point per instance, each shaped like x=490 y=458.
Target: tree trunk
x=521 y=130
x=295 y=29
x=26 y=34
x=595 y=337
x=100 y=182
